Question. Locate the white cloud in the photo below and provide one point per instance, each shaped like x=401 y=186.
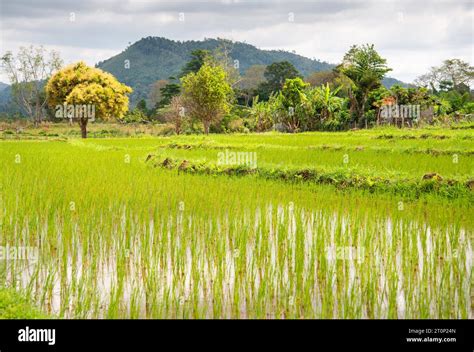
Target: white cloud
x=412 y=35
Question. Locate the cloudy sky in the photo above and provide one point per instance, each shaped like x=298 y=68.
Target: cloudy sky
x=411 y=35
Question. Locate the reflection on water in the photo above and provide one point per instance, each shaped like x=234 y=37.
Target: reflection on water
x=277 y=262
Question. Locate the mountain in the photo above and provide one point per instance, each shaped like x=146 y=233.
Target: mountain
x=7 y=105
x=155 y=58
x=390 y=81
x=5 y=94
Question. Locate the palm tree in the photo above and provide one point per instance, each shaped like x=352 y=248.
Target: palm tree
x=366 y=69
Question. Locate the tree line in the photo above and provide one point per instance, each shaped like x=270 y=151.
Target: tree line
x=210 y=95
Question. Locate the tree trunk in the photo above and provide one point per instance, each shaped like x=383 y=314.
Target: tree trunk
x=361 y=114
x=83 y=124
x=38 y=109
x=206 y=127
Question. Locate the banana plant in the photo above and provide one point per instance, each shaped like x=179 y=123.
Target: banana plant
x=326 y=102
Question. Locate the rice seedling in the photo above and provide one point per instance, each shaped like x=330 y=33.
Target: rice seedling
x=117 y=238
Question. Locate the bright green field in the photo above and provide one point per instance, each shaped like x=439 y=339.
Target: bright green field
x=118 y=237
x=405 y=154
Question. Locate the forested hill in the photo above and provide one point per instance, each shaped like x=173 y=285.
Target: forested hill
x=155 y=58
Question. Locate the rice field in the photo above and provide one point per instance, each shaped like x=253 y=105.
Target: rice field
x=111 y=233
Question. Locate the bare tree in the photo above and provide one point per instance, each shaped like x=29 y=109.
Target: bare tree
x=429 y=80
x=155 y=92
x=28 y=72
x=222 y=57
x=455 y=71
x=176 y=114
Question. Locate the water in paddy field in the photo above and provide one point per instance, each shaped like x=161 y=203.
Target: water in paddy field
x=276 y=261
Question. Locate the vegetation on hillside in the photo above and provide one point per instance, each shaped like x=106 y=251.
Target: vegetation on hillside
x=155 y=58
x=276 y=96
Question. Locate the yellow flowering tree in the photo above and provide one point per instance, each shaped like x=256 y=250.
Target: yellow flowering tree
x=83 y=93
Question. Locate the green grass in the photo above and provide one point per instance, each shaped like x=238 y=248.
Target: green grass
x=450 y=157
x=118 y=238
x=15 y=306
